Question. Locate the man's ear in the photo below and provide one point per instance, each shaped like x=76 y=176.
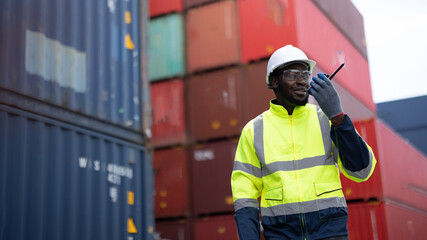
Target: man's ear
x=274 y=82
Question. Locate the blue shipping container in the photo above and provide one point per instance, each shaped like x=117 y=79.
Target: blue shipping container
x=58 y=181
x=408 y=117
x=80 y=55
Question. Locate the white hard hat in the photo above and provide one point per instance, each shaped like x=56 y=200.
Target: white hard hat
x=285 y=56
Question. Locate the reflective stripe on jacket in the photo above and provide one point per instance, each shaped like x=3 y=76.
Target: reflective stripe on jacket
x=290 y=163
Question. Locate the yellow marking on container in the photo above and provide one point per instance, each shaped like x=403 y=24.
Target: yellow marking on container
x=163 y=204
x=233 y=122
x=131 y=198
x=163 y=193
x=216 y=125
x=150 y=229
x=128 y=42
x=269 y=49
x=229 y=200
x=348 y=191
x=131 y=226
x=221 y=230
x=128 y=18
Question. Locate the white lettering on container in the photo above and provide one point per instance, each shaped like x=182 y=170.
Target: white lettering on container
x=204 y=155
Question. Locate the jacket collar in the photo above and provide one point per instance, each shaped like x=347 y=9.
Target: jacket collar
x=280 y=111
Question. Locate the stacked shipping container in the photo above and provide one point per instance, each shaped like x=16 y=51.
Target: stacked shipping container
x=73 y=156
x=226 y=46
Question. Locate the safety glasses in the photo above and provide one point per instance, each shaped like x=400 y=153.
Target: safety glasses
x=294 y=75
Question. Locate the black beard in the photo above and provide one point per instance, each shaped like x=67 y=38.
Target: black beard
x=298 y=102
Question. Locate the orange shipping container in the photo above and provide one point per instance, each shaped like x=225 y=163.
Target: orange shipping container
x=212 y=36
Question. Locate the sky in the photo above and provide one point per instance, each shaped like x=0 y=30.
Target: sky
x=396 y=37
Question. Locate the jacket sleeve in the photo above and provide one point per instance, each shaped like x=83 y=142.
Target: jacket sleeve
x=356 y=158
x=246 y=184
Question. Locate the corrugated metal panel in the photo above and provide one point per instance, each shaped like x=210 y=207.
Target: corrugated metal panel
x=167 y=101
x=345 y=16
x=408 y=118
x=329 y=48
x=385 y=221
x=174 y=230
x=211 y=167
x=403 y=168
x=399 y=173
x=373 y=188
x=404 y=114
x=212 y=36
x=166 y=50
x=256 y=96
x=214 y=104
x=159 y=7
x=171 y=183
x=366 y=221
x=64 y=182
x=265 y=26
x=80 y=55
x=214 y=228
x=356 y=109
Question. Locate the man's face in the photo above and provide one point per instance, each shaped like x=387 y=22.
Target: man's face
x=291 y=85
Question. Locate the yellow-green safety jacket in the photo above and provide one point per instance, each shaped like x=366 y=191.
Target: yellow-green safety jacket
x=290 y=163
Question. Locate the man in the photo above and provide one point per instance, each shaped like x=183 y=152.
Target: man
x=288 y=157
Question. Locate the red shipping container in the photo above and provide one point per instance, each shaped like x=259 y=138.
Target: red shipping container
x=385 y=221
x=160 y=7
x=212 y=36
x=357 y=110
x=214 y=104
x=211 y=167
x=174 y=230
x=265 y=26
x=192 y=3
x=400 y=171
x=325 y=44
x=256 y=96
x=167 y=103
x=348 y=20
x=214 y=228
x=171 y=185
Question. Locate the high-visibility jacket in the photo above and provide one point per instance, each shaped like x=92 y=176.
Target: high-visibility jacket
x=290 y=163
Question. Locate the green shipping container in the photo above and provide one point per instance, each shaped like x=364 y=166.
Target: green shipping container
x=166 y=53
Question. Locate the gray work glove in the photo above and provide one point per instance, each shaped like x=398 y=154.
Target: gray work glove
x=326 y=95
